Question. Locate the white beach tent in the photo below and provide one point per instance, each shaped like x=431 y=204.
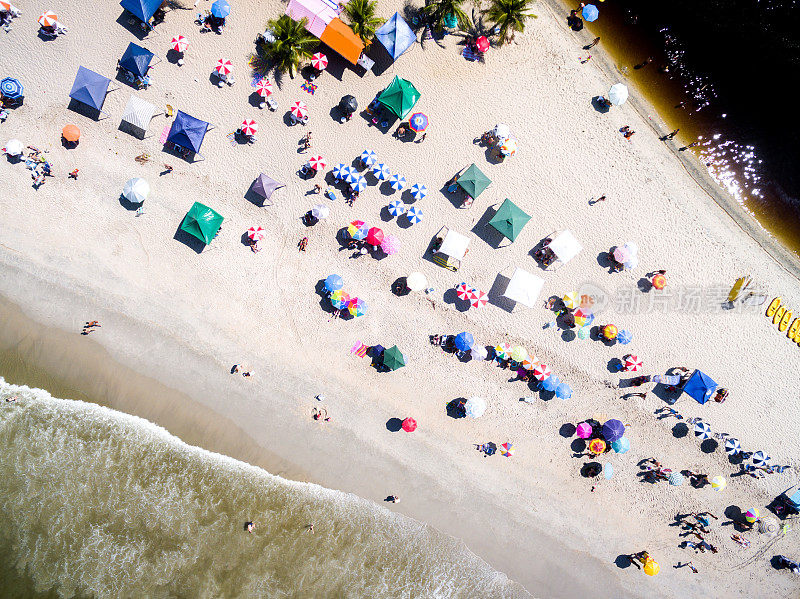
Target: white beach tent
x=452 y=250
x=137 y=116
x=565 y=247
x=524 y=288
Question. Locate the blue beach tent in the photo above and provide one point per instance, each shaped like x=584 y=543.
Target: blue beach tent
x=700 y=386
x=90 y=88
x=396 y=36
x=136 y=60
x=187 y=132
x=141 y=9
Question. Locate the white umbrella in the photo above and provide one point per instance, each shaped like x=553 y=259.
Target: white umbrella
x=136 y=190
x=618 y=94
x=475 y=407
x=501 y=131
x=416 y=281
x=14 y=147
x=478 y=352
x=768 y=526
x=320 y=211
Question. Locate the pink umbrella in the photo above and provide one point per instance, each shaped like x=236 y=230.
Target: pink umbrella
x=584 y=430
x=409 y=425
x=179 y=43
x=632 y=363
x=541 y=372
x=299 y=109
x=478 y=298
x=390 y=245
x=224 y=66
x=622 y=254
x=463 y=291
x=317 y=163
x=249 y=127
x=256 y=233
x=319 y=61
x=375 y=236
x=264 y=88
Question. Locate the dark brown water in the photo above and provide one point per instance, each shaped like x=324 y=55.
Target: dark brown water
x=724 y=72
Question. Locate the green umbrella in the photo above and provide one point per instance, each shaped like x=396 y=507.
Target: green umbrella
x=473 y=181
x=393 y=358
x=509 y=219
x=202 y=222
x=399 y=97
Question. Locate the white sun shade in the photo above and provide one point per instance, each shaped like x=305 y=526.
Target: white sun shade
x=138 y=113
x=454 y=245
x=524 y=288
x=565 y=246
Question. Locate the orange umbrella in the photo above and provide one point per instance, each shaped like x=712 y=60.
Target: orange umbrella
x=610 y=332
x=659 y=281
x=5 y=5
x=597 y=446
x=71 y=133
x=48 y=19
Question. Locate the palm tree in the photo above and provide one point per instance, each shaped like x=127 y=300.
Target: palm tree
x=292 y=44
x=440 y=10
x=361 y=14
x=510 y=16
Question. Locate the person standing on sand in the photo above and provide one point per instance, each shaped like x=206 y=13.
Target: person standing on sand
x=421 y=139
x=672 y=134
x=249 y=526
x=310 y=528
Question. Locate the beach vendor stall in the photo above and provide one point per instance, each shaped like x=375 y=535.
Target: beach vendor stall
x=186 y=134
x=135 y=64
x=558 y=249
x=264 y=186
x=449 y=248
x=524 y=288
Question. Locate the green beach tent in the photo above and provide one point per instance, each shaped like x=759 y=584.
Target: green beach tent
x=509 y=219
x=393 y=358
x=473 y=181
x=399 y=97
x=202 y=222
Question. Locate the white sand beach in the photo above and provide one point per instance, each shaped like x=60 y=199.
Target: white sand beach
x=70 y=252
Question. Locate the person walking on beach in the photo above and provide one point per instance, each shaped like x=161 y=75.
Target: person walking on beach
x=249 y=526
x=671 y=134
x=393 y=499
x=602 y=198
x=641 y=556
x=594 y=42
x=310 y=528
x=691 y=145
x=421 y=139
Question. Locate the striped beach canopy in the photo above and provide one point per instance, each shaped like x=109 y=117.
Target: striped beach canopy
x=138 y=113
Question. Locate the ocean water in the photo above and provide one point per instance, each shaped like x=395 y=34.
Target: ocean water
x=97 y=503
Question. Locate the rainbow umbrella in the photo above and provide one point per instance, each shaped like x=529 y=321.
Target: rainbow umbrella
x=597 y=446
x=418 y=122
x=333 y=282
x=369 y=157
x=507 y=449
x=651 y=567
x=418 y=191
x=718 y=483
x=396 y=207
x=610 y=332
x=340 y=299
x=551 y=383
x=503 y=351
x=621 y=445
x=571 y=300
x=584 y=430
x=380 y=171
x=390 y=245
x=583 y=317
x=357 y=307
x=519 y=353
x=752 y=515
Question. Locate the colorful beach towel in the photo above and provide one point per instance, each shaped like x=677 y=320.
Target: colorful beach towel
x=164 y=135
x=309 y=87
x=232 y=137
x=359 y=349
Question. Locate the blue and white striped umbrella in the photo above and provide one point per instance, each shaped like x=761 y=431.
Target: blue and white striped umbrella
x=418 y=191
x=702 y=430
x=338 y=171
x=675 y=479
x=369 y=157
x=759 y=458
x=396 y=208
x=381 y=171
x=732 y=446
x=360 y=184
x=624 y=337
x=414 y=215
x=398 y=182
x=11 y=88
x=350 y=175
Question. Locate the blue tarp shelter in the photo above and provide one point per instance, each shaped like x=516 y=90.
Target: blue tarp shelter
x=136 y=60
x=141 y=9
x=90 y=88
x=700 y=386
x=396 y=36
x=187 y=132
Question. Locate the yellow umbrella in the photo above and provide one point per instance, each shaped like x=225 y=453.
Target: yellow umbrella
x=571 y=300
x=519 y=353
x=610 y=332
x=651 y=567
x=597 y=446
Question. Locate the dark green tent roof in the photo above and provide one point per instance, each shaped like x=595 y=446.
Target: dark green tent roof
x=202 y=222
x=393 y=358
x=399 y=97
x=473 y=181
x=509 y=219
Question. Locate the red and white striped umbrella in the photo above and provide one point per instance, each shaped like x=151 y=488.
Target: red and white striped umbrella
x=478 y=298
x=179 y=43
x=541 y=372
x=224 y=66
x=299 y=109
x=264 y=88
x=632 y=363
x=463 y=291
x=249 y=127
x=319 y=61
x=256 y=233
x=316 y=162
x=48 y=18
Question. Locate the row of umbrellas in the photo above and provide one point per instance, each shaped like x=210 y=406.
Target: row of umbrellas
x=702 y=430
x=398 y=208
x=341 y=300
x=380 y=171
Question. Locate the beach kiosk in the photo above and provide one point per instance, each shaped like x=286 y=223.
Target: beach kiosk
x=564 y=246
x=396 y=36
x=524 y=288
x=450 y=248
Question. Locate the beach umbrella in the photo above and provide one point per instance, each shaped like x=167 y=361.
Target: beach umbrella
x=622 y=254
x=393 y=358
x=675 y=479
x=759 y=458
x=590 y=12
x=651 y=567
x=396 y=208
x=464 y=341
x=340 y=299
x=48 y=18
x=612 y=430
x=702 y=430
x=375 y=236
x=320 y=211
x=11 y=88
x=381 y=171
x=398 y=182
x=659 y=281
x=319 y=61
x=71 y=133
x=390 y=245
x=624 y=337
x=399 y=97
x=14 y=147
x=501 y=131
x=357 y=307
x=338 y=171
x=473 y=181
x=632 y=363
x=529 y=362
x=508 y=147
x=360 y=234
x=583 y=317
x=221 y=9
x=732 y=446
x=179 y=43
x=224 y=66
x=478 y=299
x=414 y=215
x=718 y=483
x=332 y=282
x=136 y=190
x=584 y=430
x=462 y=291
x=597 y=446
x=768 y=526
x=264 y=88
x=541 y=372
x=256 y=233
x=571 y=300
x=482 y=43
x=551 y=383
x=563 y=391
x=249 y=127
x=475 y=407
x=369 y=157
x=409 y=425
x=752 y=515
x=618 y=94
x=519 y=353
x=478 y=352
x=360 y=184
x=507 y=449
x=621 y=445
x=416 y=281
x=350 y=175
x=355 y=226
x=317 y=163
x=583 y=333
x=349 y=104
x=299 y=110
x=610 y=332
x=608 y=471
x=418 y=191
x=418 y=122
x=502 y=351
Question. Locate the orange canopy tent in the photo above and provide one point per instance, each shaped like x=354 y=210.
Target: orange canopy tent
x=340 y=37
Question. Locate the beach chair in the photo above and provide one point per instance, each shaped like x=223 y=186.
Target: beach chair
x=359 y=349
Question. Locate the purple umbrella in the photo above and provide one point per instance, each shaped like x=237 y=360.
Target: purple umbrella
x=612 y=430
